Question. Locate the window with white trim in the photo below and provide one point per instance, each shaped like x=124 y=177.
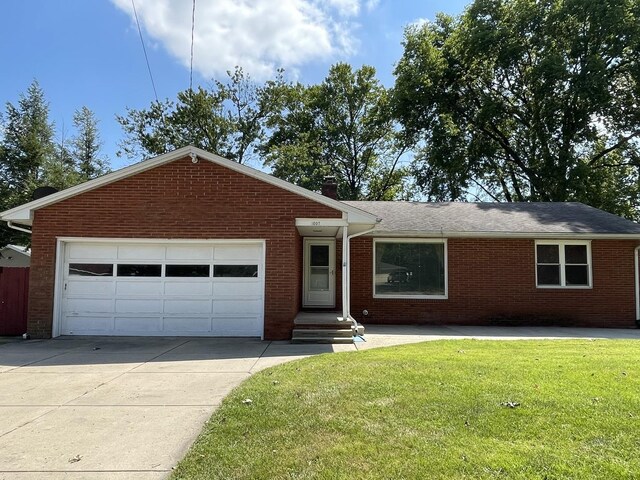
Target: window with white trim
x=410 y=268
x=564 y=264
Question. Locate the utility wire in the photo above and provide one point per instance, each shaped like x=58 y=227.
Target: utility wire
x=193 y=24
x=155 y=93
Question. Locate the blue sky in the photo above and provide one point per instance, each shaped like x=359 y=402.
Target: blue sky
x=88 y=52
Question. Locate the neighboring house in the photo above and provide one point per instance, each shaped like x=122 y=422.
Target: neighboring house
x=15 y=256
x=189 y=243
x=14 y=289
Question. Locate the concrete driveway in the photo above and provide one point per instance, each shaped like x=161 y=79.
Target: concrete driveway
x=116 y=408
x=129 y=408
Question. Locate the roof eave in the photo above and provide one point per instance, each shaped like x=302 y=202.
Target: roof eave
x=529 y=235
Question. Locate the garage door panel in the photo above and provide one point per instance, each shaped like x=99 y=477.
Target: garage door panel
x=189 y=253
x=201 y=288
x=85 y=324
x=187 y=306
x=236 y=326
x=133 y=287
x=187 y=324
x=184 y=297
x=90 y=251
x=137 y=325
x=141 y=252
x=237 y=252
x=100 y=288
x=241 y=307
x=237 y=289
x=130 y=305
x=89 y=305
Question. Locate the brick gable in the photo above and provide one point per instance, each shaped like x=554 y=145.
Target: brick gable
x=182 y=200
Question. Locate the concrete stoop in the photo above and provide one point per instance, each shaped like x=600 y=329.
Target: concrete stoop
x=322 y=327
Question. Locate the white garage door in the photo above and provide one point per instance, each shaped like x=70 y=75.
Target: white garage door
x=214 y=289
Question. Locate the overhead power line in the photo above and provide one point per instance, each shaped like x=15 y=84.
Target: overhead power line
x=146 y=58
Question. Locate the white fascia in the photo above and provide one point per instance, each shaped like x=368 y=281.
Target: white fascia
x=507 y=235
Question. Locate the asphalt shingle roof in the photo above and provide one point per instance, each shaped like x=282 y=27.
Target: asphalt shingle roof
x=487 y=218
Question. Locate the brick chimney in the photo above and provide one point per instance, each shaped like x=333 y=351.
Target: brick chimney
x=330 y=187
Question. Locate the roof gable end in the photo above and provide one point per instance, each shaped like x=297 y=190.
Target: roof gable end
x=23 y=214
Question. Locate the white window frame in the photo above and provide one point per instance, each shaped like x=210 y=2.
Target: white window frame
x=563 y=281
x=442 y=241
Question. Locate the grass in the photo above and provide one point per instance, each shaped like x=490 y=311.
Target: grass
x=435 y=410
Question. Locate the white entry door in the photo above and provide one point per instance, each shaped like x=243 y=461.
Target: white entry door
x=319 y=272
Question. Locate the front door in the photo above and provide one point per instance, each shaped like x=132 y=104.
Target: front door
x=319 y=272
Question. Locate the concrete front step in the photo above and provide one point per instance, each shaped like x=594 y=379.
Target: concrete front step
x=321 y=339
x=322 y=335
x=328 y=319
x=323 y=332
x=323 y=327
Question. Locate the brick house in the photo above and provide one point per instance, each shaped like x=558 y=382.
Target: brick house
x=189 y=243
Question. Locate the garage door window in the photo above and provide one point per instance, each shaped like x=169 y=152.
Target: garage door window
x=235 y=270
x=138 y=270
x=191 y=271
x=91 y=269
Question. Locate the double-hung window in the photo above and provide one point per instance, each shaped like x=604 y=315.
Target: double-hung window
x=563 y=264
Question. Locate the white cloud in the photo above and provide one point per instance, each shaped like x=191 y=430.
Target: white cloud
x=419 y=22
x=258 y=35
x=345 y=8
x=372 y=4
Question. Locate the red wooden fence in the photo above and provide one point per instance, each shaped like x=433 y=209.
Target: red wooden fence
x=14 y=294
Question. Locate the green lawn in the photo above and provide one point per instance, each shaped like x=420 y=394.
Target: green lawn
x=435 y=410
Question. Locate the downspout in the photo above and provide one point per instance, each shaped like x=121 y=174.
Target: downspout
x=345 y=261
x=346 y=297
x=10 y=224
x=637 y=275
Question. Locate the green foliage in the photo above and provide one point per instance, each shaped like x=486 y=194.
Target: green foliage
x=86 y=145
x=341 y=127
x=31 y=158
x=26 y=146
x=522 y=100
x=227 y=120
x=27 y=141
x=461 y=409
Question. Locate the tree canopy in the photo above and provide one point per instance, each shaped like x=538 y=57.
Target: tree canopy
x=30 y=156
x=342 y=127
x=526 y=100
x=226 y=119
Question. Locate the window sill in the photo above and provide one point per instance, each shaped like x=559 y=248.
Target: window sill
x=568 y=287
x=412 y=297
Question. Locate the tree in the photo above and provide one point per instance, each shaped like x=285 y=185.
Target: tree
x=27 y=142
x=526 y=100
x=86 y=145
x=25 y=147
x=341 y=127
x=31 y=158
x=58 y=169
x=226 y=119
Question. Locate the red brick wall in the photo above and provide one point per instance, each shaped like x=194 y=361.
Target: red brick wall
x=492 y=281
x=181 y=200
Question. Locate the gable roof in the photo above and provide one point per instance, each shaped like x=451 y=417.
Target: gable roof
x=23 y=214
x=18 y=249
x=456 y=219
